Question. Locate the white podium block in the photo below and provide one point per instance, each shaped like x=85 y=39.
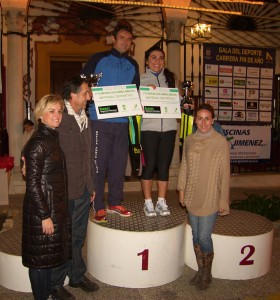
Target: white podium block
x=120 y=256
x=13 y=275
x=242 y=246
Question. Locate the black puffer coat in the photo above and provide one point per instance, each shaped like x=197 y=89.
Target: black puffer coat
x=45 y=197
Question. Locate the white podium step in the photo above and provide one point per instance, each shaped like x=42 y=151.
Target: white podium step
x=137 y=252
x=13 y=275
x=242 y=246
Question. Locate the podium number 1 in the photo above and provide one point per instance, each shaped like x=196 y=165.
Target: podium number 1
x=145 y=259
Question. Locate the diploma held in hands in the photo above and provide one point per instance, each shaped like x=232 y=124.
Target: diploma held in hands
x=116 y=101
x=160 y=102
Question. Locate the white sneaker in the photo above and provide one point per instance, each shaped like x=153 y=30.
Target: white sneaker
x=149 y=209
x=162 y=208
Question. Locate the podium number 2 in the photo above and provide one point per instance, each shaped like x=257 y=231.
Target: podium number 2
x=246 y=261
x=145 y=259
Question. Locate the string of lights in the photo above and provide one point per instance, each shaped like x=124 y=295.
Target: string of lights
x=145 y=4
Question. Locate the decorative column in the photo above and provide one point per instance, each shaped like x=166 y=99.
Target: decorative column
x=173 y=41
x=15 y=106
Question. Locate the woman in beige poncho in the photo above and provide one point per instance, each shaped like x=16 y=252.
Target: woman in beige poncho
x=203 y=186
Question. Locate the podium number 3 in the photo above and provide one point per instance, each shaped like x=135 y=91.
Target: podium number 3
x=246 y=261
x=145 y=259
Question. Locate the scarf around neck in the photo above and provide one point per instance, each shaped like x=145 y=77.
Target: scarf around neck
x=81 y=118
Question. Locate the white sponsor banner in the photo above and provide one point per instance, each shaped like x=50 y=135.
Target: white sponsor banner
x=211 y=69
x=211 y=92
x=248 y=143
x=225 y=115
x=252 y=116
x=117 y=101
x=239 y=71
x=213 y=102
x=238 y=104
x=238 y=115
x=265 y=116
x=225 y=81
x=160 y=102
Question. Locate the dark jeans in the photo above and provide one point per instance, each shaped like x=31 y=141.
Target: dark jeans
x=40 y=280
x=110 y=142
x=75 y=268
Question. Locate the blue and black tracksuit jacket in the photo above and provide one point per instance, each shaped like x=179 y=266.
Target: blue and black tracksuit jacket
x=117 y=69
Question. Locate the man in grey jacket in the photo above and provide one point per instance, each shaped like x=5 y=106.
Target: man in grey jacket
x=75 y=139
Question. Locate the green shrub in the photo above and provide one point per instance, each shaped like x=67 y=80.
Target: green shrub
x=268 y=207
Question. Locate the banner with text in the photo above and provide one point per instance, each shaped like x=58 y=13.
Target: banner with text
x=238 y=82
x=248 y=143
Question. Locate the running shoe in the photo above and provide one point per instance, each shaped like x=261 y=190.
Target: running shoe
x=162 y=208
x=100 y=216
x=149 y=209
x=119 y=209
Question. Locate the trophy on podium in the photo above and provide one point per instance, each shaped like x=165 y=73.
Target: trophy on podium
x=186 y=117
x=187 y=86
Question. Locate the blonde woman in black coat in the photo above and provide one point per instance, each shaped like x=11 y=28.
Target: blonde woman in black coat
x=46 y=236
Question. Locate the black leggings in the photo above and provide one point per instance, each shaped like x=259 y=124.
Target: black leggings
x=158 y=148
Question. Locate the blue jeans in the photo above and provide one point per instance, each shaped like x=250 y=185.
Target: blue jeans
x=75 y=268
x=202 y=228
x=40 y=280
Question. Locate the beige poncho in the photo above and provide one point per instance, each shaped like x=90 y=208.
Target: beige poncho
x=205 y=173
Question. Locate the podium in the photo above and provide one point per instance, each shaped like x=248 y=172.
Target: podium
x=242 y=246
x=137 y=252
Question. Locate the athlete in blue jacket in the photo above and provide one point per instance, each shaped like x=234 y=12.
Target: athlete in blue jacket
x=110 y=136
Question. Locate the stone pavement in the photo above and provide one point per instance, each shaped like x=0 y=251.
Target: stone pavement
x=266 y=287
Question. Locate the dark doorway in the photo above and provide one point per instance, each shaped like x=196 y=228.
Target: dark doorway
x=62 y=71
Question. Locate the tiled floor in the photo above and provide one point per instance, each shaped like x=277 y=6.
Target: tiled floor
x=266 y=287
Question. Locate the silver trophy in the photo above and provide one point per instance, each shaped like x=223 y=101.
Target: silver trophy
x=187 y=86
x=92 y=79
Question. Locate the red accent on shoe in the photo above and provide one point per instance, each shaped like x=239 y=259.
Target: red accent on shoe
x=100 y=216
x=120 y=210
